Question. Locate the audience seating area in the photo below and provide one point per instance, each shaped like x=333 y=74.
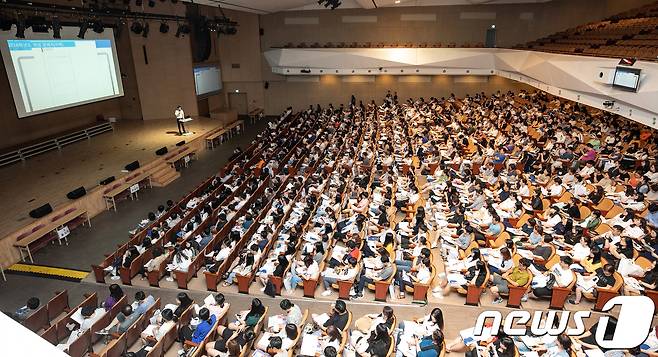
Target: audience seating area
x=630 y=34
x=153 y=333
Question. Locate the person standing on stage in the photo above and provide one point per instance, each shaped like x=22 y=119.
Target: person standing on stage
x=180 y=115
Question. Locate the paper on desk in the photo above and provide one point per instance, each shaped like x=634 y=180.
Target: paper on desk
x=309 y=345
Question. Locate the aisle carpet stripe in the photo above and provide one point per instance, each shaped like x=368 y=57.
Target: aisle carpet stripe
x=45 y=271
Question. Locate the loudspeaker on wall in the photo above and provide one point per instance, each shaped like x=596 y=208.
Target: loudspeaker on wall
x=161 y=151
x=132 y=166
x=41 y=211
x=77 y=193
x=107 y=180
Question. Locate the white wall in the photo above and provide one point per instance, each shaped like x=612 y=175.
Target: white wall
x=580 y=78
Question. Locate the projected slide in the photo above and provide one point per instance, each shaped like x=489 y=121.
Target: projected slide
x=52 y=73
x=207 y=80
x=47 y=74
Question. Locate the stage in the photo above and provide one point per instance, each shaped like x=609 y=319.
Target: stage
x=47 y=178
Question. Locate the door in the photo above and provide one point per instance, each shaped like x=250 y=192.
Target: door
x=238 y=102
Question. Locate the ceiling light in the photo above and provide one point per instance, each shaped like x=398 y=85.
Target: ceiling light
x=397 y=1
x=164 y=28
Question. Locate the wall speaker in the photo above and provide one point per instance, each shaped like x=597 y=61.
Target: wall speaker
x=77 y=193
x=132 y=166
x=41 y=211
x=163 y=150
x=180 y=143
x=107 y=180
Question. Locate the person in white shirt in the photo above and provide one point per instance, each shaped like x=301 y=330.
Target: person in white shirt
x=293 y=312
x=180 y=115
x=332 y=275
x=159 y=325
x=89 y=316
x=561 y=273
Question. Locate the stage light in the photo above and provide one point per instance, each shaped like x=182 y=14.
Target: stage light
x=38 y=24
x=20 y=26
x=84 y=25
x=151 y=3
x=57 y=27
x=5 y=24
x=493 y=26
x=145 y=31
x=137 y=27
x=183 y=29
x=97 y=26
x=164 y=28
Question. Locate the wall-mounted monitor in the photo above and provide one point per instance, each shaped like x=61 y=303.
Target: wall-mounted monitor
x=207 y=80
x=47 y=74
x=626 y=78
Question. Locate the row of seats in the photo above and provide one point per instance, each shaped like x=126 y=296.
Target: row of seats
x=384 y=45
x=630 y=34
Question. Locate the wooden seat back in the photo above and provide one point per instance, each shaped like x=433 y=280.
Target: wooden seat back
x=81 y=345
x=58 y=304
x=37 y=320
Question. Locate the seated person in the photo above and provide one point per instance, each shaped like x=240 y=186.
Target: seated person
x=217 y=306
x=246 y=318
x=559 y=275
x=517 y=276
x=342 y=272
x=366 y=324
x=413 y=331
x=230 y=343
x=121 y=322
x=474 y=275
x=184 y=302
x=603 y=278
x=158 y=326
x=287 y=338
x=24 y=312
x=431 y=346
x=307 y=269
x=199 y=333
x=370 y=275
x=337 y=317
x=376 y=344
x=421 y=276
x=293 y=314
x=142 y=303
x=330 y=338
x=89 y=316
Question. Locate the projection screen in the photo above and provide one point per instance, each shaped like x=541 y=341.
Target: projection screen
x=47 y=74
